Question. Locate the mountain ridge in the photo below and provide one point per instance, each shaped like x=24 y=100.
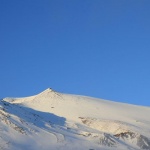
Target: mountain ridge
x=72 y=122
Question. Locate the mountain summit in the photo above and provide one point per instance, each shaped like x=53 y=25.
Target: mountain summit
x=52 y=120
x=48 y=90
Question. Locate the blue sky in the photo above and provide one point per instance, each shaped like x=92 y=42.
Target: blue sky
x=99 y=48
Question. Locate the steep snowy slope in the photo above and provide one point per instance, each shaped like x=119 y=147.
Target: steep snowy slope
x=52 y=120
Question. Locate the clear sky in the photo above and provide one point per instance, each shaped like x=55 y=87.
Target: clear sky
x=98 y=48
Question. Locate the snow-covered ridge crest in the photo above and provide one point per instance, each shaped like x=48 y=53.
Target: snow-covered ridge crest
x=46 y=94
x=48 y=90
x=55 y=120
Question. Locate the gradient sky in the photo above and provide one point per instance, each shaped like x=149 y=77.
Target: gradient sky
x=98 y=48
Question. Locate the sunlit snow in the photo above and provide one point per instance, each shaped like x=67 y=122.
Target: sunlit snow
x=57 y=121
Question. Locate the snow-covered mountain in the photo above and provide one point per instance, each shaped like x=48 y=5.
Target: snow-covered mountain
x=56 y=121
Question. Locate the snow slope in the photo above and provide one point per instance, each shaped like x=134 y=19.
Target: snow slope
x=56 y=121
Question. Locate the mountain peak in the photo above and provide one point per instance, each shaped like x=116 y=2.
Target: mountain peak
x=55 y=120
x=48 y=92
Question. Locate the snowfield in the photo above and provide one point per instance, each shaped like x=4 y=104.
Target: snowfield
x=57 y=121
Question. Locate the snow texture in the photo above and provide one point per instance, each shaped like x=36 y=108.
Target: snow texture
x=57 y=121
